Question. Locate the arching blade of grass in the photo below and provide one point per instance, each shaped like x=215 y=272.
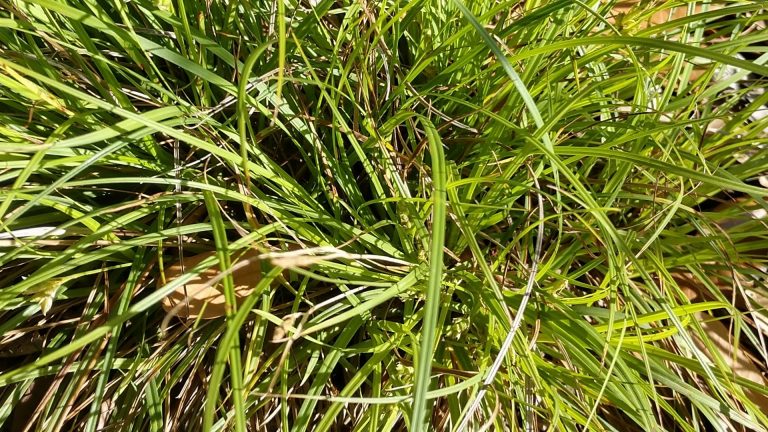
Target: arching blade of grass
x=226 y=349
x=230 y=308
x=432 y=303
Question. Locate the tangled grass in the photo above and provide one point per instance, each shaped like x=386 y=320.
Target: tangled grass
x=493 y=216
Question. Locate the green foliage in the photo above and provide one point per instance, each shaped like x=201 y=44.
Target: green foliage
x=436 y=178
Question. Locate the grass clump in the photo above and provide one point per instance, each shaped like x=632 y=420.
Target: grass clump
x=481 y=216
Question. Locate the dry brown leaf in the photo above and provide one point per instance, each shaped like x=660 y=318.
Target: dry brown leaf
x=720 y=336
x=665 y=15
x=202 y=299
x=739 y=362
x=759 y=301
